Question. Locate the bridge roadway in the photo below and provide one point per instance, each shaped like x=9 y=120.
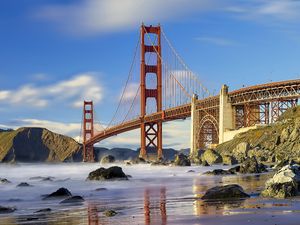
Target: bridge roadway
x=275 y=91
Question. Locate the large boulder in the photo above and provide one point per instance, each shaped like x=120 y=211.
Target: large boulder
x=111 y=173
x=250 y=165
x=107 y=159
x=240 y=152
x=60 y=193
x=284 y=183
x=227 y=192
x=182 y=160
x=211 y=157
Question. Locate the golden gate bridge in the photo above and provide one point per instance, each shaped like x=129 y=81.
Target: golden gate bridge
x=160 y=87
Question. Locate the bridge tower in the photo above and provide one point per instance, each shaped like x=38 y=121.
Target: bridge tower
x=88 y=130
x=151 y=132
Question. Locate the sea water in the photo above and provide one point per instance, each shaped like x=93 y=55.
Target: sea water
x=153 y=195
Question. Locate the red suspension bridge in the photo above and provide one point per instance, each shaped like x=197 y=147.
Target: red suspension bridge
x=160 y=87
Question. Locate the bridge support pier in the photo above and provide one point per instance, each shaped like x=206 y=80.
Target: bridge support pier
x=195 y=120
x=226 y=113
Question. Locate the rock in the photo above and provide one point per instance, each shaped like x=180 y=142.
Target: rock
x=219 y=172
x=43 y=210
x=250 y=165
x=4 y=210
x=60 y=193
x=211 y=157
x=107 y=159
x=112 y=173
x=101 y=189
x=284 y=136
x=72 y=200
x=234 y=170
x=229 y=160
x=241 y=151
x=227 y=192
x=4 y=181
x=182 y=160
x=160 y=162
x=110 y=213
x=285 y=183
x=24 y=184
x=204 y=163
x=190 y=171
x=138 y=160
x=47 y=179
x=42 y=178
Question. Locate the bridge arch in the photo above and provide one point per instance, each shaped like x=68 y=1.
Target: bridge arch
x=208 y=132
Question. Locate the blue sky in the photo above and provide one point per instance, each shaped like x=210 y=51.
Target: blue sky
x=54 y=54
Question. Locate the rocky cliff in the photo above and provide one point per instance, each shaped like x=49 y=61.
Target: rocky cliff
x=37 y=145
x=276 y=142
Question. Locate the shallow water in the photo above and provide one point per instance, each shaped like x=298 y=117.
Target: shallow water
x=154 y=195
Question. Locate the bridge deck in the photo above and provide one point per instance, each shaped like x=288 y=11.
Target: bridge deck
x=259 y=93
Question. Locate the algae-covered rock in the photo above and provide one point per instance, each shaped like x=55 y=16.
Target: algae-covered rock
x=229 y=160
x=284 y=183
x=250 y=165
x=211 y=157
x=110 y=213
x=240 y=152
x=182 y=160
x=227 y=192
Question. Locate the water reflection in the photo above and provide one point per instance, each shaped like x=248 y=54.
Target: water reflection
x=93 y=217
x=155 y=206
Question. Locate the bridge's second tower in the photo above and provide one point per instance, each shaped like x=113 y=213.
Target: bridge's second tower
x=151 y=132
x=88 y=131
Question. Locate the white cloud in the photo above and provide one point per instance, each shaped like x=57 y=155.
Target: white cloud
x=266 y=10
x=176 y=134
x=217 y=41
x=98 y=16
x=88 y=17
x=72 y=92
x=70 y=129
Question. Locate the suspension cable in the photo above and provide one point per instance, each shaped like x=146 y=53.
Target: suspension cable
x=188 y=95
x=183 y=63
x=127 y=81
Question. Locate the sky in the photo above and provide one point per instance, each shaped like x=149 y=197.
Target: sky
x=56 y=53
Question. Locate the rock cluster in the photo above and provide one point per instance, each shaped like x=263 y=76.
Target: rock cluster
x=274 y=143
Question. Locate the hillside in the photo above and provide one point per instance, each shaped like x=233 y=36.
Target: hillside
x=37 y=145
x=42 y=145
x=275 y=142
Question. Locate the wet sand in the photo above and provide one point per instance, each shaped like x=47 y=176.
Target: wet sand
x=154 y=195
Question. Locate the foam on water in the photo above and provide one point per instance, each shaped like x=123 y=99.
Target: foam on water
x=154 y=193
